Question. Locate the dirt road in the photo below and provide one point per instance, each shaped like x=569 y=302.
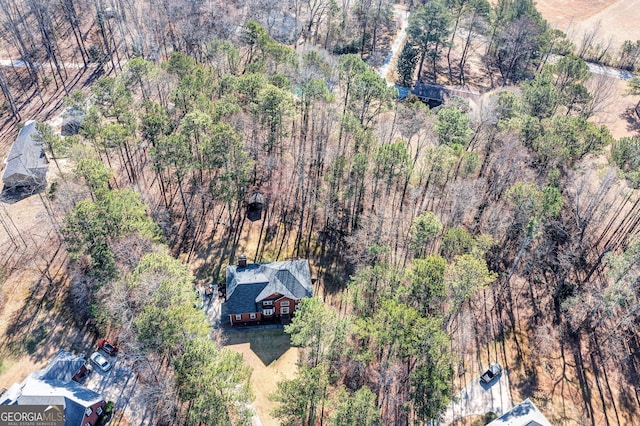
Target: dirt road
x=402 y=15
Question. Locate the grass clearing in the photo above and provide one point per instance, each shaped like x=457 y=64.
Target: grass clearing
x=270 y=354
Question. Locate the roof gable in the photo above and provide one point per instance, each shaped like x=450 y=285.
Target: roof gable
x=62 y=367
x=52 y=386
x=75 y=397
x=523 y=414
x=291 y=279
x=441 y=93
x=242 y=300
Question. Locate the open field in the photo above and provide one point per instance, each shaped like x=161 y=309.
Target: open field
x=617 y=19
x=616 y=111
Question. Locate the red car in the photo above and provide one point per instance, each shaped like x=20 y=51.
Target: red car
x=107 y=347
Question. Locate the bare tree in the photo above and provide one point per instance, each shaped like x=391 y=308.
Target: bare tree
x=515 y=47
x=602 y=89
x=6 y=91
x=588 y=39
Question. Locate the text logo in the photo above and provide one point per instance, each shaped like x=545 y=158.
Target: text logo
x=31 y=415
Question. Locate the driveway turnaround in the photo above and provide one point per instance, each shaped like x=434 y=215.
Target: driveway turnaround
x=478 y=398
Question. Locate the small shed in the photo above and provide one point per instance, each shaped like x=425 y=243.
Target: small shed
x=27 y=163
x=71 y=122
x=255 y=203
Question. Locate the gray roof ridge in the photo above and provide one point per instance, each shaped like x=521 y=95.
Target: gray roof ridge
x=275 y=286
x=291 y=278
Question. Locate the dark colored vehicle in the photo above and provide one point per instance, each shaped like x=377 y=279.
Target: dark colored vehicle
x=208 y=292
x=81 y=374
x=107 y=347
x=491 y=373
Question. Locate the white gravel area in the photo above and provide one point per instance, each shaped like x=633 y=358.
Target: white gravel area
x=478 y=398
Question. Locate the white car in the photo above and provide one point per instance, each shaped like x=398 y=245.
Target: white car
x=100 y=361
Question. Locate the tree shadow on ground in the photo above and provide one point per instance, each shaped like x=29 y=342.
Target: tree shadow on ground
x=336 y=270
x=268 y=345
x=219 y=248
x=12 y=195
x=273 y=236
x=633 y=121
x=43 y=326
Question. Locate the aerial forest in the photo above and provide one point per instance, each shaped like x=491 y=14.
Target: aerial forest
x=440 y=237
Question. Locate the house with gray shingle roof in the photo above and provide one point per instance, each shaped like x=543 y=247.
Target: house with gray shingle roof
x=54 y=385
x=26 y=164
x=437 y=94
x=265 y=292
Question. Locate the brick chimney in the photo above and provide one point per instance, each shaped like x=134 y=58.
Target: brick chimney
x=242 y=261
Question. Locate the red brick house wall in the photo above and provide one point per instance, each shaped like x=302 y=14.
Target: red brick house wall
x=92 y=419
x=245 y=318
x=279 y=305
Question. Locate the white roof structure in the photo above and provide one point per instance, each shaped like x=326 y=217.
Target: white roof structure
x=523 y=414
x=53 y=386
x=27 y=163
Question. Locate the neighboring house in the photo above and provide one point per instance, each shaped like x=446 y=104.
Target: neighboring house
x=429 y=92
x=265 y=291
x=27 y=163
x=523 y=414
x=436 y=94
x=53 y=385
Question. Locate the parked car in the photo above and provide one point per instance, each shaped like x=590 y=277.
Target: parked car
x=100 y=361
x=107 y=347
x=491 y=373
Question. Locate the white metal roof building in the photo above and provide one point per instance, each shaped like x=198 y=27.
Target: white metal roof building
x=523 y=414
x=26 y=164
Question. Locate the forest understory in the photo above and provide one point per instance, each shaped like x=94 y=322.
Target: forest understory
x=441 y=240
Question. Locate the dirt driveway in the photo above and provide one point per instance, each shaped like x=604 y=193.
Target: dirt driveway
x=119 y=385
